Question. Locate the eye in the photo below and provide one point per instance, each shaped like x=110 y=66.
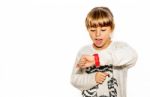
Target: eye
x=103 y=30
x=92 y=30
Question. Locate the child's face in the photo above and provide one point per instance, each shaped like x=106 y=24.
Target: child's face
x=100 y=35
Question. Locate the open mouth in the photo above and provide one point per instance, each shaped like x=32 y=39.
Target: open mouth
x=98 y=41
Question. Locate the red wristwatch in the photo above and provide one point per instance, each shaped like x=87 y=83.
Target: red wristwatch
x=97 y=62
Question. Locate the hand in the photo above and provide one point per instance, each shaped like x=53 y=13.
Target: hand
x=100 y=77
x=86 y=61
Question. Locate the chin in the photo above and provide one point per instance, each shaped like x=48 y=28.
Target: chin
x=98 y=46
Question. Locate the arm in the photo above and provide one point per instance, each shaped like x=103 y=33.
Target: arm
x=124 y=56
x=80 y=79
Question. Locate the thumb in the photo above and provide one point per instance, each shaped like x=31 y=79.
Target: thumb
x=106 y=74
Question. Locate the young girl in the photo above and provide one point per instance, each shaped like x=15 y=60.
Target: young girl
x=100 y=69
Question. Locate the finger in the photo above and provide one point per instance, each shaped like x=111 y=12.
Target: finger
x=83 y=57
x=84 y=66
x=77 y=65
x=102 y=78
x=106 y=74
x=80 y=65
x=100 y=74
x=87 y=64
x=83 y=60
x=103 y=74
x=100 y=82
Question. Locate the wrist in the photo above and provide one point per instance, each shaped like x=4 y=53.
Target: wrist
x=96 y=58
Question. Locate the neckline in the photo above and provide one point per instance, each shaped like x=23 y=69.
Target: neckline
x=96 y=51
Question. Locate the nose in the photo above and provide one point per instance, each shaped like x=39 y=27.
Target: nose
x=98 y=33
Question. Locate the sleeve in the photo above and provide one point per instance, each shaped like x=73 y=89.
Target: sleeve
x=124 y=56
x=80 y=79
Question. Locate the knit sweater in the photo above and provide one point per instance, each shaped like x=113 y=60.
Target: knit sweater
x=116 y=59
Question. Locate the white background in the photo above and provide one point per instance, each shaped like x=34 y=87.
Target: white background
x=39 y=40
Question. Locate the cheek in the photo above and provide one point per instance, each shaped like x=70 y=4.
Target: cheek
x=92 y=35
x=106 y=36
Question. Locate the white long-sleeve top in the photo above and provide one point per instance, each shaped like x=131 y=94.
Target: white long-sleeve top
x=116 y=59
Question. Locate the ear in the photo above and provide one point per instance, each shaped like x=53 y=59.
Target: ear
x=111 y=34
x=113 y=27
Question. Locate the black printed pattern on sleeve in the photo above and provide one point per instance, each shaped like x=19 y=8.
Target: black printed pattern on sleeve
x=112 y=83
x=91 y=92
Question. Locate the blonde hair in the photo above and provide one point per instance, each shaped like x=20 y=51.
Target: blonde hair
x=100 y=16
